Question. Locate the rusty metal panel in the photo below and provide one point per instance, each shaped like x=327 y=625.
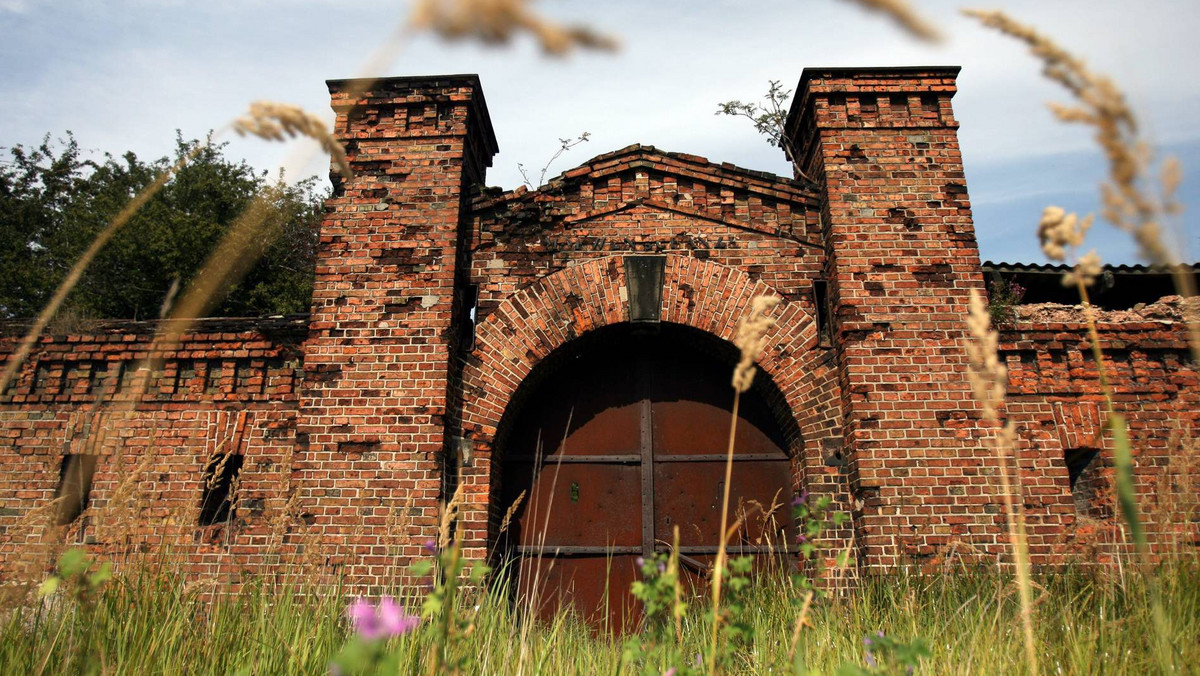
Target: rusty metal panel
x=688 y=494
x=648 y=427
x=695 y=570
x=604 y=417
x=582 y=503
x=702 y=428
x=597 y=587
x=612 y=430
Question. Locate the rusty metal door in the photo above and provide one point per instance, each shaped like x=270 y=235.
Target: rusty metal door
x=624 y=441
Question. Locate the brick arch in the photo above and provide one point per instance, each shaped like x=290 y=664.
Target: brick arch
x=532 y=323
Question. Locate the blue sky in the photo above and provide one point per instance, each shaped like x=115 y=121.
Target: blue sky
x=124 y=74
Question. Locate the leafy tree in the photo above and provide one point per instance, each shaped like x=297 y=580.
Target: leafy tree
x=53 y=202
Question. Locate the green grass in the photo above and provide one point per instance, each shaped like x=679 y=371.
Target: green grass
x=154 y=622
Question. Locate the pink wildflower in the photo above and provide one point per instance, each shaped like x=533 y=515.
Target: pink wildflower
x=394 y=620
x=388 y=620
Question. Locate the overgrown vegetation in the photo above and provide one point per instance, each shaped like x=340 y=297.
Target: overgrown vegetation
x=54 y=200
x=150 y=620
x=1004 y=295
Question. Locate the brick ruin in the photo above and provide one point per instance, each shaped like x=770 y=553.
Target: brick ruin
x=440 y=304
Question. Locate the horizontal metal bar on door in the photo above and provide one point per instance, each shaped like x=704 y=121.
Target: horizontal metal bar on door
x=565 y=550
x=634 y=459
x=744 y=457
x=745 y=549
x=570 y=550
x=574 y=459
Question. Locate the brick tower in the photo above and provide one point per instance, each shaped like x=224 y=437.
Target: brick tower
x=372 y=425
x=901 y=260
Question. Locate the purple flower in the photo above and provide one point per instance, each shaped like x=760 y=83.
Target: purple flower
x=871 y=660
x=662 y=567
x=640 y=561
x=366 y=622
x=431 y=546
x=394 y=620
x=669 y=672
x=388 y=620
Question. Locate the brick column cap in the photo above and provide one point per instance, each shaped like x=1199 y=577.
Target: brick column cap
x=410 y=86
x=823 y=81
x=856 y=79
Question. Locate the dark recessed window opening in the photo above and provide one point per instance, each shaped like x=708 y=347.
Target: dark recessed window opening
x=820 y=289
x=467 y=324
x=216 y=504
x=1077 y=460
x=74 y=486
x=1083 y=475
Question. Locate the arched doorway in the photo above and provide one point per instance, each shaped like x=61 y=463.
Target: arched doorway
x=614 y=441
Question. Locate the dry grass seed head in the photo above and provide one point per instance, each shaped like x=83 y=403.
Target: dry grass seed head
x=988 y=377
x=275 y=121
x=1061 y=233
x=750 y=339
x=1103 y=107
x=510 y=512
x=497 y=21
x=905 y=16
x=449 y=515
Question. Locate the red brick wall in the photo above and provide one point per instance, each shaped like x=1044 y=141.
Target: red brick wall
x=902 y=260
x=549 y=265
x=1057 y=401
x=227 y=387
x=352 y=437
x=372 y=428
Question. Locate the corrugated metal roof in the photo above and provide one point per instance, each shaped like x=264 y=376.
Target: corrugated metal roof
x=1059 y=268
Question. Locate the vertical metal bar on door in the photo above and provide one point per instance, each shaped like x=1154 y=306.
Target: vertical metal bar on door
x=647 y=479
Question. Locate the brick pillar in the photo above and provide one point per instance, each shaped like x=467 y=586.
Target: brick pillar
x=901 y=260
x=371 y=436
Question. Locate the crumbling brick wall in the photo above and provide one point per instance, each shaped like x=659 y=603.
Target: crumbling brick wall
x=227 y=387
x=436 y=298
x=1056 y=399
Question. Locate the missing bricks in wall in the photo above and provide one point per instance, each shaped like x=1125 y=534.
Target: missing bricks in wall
x=1084 y=482
x=822 y=314
x=469 y=317
x=358 y=447
x=218 y=494
x=74 y=491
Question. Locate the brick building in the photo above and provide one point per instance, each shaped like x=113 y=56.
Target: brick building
x=569 y=348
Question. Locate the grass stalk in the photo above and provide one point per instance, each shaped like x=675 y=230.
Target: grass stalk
x=719 y=566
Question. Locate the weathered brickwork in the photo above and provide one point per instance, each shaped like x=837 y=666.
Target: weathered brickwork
x=1067 y=458
x=902 y=260
x=437 y=301
x=228 y=387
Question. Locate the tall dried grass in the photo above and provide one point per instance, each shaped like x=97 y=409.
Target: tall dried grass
x=750 y=339
x=497 y=21
x=989 y=382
